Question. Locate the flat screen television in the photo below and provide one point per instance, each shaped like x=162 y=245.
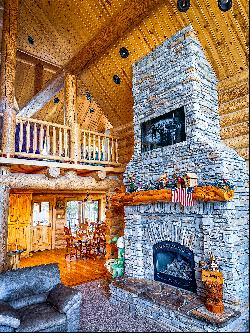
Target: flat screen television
x=164 y=130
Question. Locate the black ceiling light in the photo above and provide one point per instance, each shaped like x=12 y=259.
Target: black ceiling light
x=91 y=110
x=116 y=79
x=183 y=5
x=56 y=100
x=31 y=40
x=88 y=96
x=124 y=52
x=225 y=5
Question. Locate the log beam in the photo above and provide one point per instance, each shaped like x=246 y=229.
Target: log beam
x=38 y=83
x=7 y=76
x=29 y=59
x=70 y=93
x=67 y=182
x=130 y=15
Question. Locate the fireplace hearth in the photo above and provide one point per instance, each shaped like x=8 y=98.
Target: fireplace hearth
x=174 y=265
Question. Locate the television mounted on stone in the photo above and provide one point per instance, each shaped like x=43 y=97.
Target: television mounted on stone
x=164 y=130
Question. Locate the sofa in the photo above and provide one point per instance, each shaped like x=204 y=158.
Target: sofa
x=33 y=299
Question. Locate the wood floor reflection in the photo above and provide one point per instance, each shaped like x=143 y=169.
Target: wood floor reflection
x=74 y=271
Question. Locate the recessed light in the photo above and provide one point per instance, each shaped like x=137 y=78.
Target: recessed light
x=116 y=79
x=31 y=40
x=225 y=5
x=183 y=5
x=124 y=52
x=88 y=96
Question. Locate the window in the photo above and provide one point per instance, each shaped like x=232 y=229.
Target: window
x=79 y=212
x=41 y=214
x=91 y=210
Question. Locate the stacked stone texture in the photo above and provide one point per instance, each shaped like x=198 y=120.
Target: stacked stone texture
x=177 y=74
x=171 y=319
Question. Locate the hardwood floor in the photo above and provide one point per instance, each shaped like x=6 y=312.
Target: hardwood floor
x=73 y=272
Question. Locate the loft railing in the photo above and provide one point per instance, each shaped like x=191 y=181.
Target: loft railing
x=37 y=139
x=98 y=148
x=41 y=139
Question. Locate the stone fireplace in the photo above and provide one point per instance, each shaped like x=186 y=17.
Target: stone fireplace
x=163 y=240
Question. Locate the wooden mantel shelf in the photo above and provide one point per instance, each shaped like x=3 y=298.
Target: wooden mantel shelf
x=201 y=193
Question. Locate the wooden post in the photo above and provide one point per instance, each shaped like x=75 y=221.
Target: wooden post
x=7 y=76
x=38 y=83
x=4 y=206
x=71 y=116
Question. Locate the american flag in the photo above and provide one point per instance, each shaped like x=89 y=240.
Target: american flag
x=183 y=195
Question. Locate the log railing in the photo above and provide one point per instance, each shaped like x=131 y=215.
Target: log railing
x=98 y=148
x=41 y=139
x=37 y=139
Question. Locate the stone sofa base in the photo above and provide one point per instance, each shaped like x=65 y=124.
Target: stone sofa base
x=174 y=309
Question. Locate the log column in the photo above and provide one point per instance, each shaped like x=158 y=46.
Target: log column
x=38 y=83
x=70 y=92
x=7 y=76
x=4 y=207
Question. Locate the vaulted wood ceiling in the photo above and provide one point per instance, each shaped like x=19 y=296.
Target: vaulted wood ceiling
x=89 y=114
x=60 y=28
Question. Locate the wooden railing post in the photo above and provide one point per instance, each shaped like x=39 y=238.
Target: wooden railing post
x=75 y=146
x=70 y=91
x=7 y=76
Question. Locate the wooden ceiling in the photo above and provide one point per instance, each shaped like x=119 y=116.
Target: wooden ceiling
x=89 y=113
x=60 y=28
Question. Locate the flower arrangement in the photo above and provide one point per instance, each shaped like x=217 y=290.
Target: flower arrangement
x=176 y=181
x=224 y=184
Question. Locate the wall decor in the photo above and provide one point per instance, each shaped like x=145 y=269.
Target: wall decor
x=164 y=130
x=60 y=204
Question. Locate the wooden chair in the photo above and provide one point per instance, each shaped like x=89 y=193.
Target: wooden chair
x=72 y=247
x=67 y=231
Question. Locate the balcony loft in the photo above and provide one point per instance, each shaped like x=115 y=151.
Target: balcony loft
x=39 y=145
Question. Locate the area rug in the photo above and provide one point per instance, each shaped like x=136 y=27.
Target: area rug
x=99 y=315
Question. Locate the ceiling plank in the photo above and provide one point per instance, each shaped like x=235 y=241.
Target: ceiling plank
x=131 y=14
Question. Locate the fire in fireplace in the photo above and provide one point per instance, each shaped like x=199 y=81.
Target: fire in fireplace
x=174 y=264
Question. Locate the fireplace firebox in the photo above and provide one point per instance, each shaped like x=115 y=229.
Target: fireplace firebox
x=174 y=265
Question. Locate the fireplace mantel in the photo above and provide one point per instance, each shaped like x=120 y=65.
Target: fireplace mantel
x=201 y=193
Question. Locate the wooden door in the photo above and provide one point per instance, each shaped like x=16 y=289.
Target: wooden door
x=41 y=226
x=19 y=222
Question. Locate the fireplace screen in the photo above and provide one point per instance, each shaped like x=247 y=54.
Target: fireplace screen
x=165 y=130
x=174 y=264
